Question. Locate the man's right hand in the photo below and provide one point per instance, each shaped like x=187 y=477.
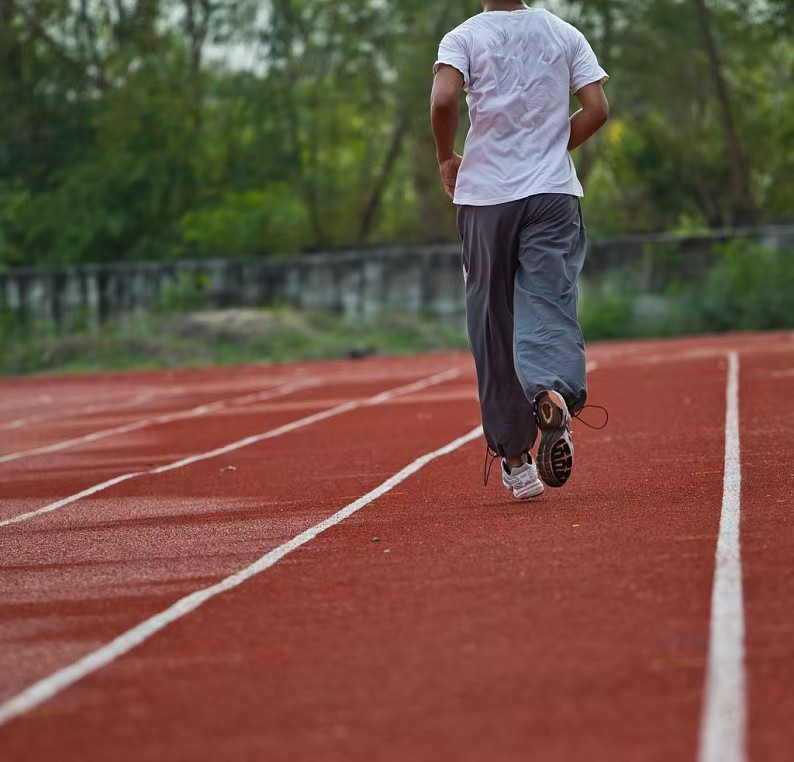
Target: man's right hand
x=449 y=173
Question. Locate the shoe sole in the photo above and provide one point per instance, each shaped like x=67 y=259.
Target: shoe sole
x=555 y=451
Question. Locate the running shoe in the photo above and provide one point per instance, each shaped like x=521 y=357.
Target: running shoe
x=522 y=480
x=555 y=451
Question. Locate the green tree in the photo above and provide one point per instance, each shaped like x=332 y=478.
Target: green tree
x=164 y=128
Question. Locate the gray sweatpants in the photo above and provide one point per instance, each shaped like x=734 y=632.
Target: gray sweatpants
x=521 y=263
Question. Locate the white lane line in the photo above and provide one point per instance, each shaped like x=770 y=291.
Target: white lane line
x=45 y=689
x=41 y=399
x=141 y=399
x=145 y=423
x=146 y=397
x=723 y=723
x=378 y=399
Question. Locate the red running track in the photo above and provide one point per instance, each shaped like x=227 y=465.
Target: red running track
x=574 y=627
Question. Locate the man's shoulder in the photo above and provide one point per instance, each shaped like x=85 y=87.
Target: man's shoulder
x=560 y=24
x=468 y=25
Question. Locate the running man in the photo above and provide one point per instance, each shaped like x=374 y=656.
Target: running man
x=520 y=220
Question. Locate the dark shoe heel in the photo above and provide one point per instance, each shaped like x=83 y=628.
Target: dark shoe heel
x=555 y=459
x=555 y=451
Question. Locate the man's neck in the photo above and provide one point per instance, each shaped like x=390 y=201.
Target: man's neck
x=495 y=5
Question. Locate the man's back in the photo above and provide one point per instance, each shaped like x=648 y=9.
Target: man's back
x=518 y=69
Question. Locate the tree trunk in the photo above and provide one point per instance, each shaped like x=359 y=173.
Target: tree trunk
x=197 y=20
x=744 y=211
x=376 y=196
x=436 y=213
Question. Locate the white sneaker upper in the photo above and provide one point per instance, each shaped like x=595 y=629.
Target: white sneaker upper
x=522 y=480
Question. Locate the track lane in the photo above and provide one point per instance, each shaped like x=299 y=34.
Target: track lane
x=332 y=730
x=767 y=420
x=82 y=578
x=570 y=628
x=68 y=422
x=654 y=352
x=46 y=689
x=205 y=408
x=138 y=400
x=143 y=451
x=47 y=429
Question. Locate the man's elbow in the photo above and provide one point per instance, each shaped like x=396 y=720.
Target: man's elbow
x=442 y=103
x=601 y=115
x=603 y=112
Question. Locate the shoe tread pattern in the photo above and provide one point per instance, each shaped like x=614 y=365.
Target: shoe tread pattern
x=555 y=451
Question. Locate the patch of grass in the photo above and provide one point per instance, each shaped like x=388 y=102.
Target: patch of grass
x=221 y=337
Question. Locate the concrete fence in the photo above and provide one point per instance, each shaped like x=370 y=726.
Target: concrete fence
x=364 y=282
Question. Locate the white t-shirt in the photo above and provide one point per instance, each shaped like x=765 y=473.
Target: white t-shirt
x=518 y=68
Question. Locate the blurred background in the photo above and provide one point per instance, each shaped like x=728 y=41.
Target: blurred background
x=193 y=181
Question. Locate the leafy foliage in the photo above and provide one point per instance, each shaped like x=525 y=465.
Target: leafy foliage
x=748 y=287
x=162 y=128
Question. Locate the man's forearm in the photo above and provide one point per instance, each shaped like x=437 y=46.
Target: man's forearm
x=444 y=120
x=584 y=124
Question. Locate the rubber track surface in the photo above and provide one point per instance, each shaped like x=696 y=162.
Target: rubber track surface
x=573 y=627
